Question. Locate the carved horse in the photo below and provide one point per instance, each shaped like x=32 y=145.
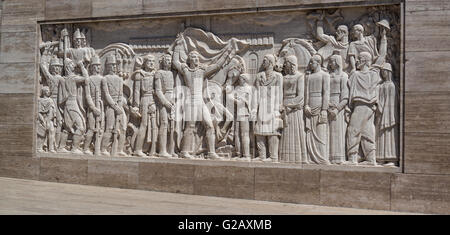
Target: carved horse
x=301 y=48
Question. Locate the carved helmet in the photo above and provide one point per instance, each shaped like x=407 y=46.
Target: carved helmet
x=111 y=59
x=77 y=34
x=384 y=23
x=384 y=66
x=55 y=62
x=95 y=60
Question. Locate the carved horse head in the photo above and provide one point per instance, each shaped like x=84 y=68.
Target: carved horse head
x=300 y=48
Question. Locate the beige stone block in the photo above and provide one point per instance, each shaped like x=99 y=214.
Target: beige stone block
x=175 y=178
x=22 y=15
x=204 y=5
x=427 y=71
x=427 y=112
x=421 y=193
x=168 y=6
x=287 y=185
x=427 y=31
x=368 y=190
x=224 y=181
x=103 y=8
x=16 y=140
x=427 y=5
x=17 y=78
x=271 y=3
x=427 y=153
x=121 y=174
x=19 y=167
x=16 y=109
x=18 y=47
x=67 y=9
x=64 y=170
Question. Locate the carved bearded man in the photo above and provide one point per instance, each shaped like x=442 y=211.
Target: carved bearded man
x=114 y=113
x=74 y=122
x=144 y=99
x=195 y=108
x=95 y=89
x=164 y=85
x=269 y=85
x=362 y=101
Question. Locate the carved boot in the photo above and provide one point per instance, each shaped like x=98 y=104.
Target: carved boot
x=105 y=141
x=120 y=151
x=162 y=143
x=211 y=146
x=76 y=144
x=139 y=144
x=152 y=152
x=62 y=143
x=186 y=143
x=87 y=143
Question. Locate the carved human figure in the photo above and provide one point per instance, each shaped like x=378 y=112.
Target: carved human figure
x=333 y=43
x=362 y=101
x=95 y=90
x=74 y=122
x=386 y=122
x=317 y=97
x=46 y=122
x=164 y=86
x=293 y=140
x=337 y=108
x=195 y=108
x=77 y=52
x=144 y=98
x=53 y=78
x=115 y=119
x=244 y=113
x=269 y=85
x=361 y=44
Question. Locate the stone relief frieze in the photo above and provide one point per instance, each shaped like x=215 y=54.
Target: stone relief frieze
x=313 y=87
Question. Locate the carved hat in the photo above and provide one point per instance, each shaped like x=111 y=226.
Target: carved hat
x=384 y=66
x=111 y=59
x=384 y=23
x=55 y=62
x=77 y=34
x=292 y=59
x=95 y=60
x=82 y=35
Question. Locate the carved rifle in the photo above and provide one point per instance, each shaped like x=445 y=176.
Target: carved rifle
x=98 y=122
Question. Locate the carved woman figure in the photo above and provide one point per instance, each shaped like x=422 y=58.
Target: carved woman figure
x=316 y=106
x=293 y=142
x=386 y=121
x=336 y=110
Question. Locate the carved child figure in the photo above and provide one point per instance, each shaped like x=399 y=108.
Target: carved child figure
x=164 y=85
x=46 y=121
x=115 y=116
x=144 y=99
x=95 y=89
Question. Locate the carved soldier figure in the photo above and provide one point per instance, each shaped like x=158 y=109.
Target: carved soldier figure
x=144 y=99
x=194 y=74
x=164 y=86
x=77 y=52
x=316 y=105
x=386 y=122
x=362 y=44
x=53 y=78
x=244 y=100
x=114 y=114
x=74 y=122
x=269 y=85
x=362 y=101
x=293 y=140
x=337 y=109
x=46 y=121
x=95 y=87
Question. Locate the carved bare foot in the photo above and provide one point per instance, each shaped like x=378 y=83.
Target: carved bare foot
x=186 y=155
x=214 y=156
x=165 y=155
x=122 y=154
x=52 y=151
x=105 y=153
x=139 y=153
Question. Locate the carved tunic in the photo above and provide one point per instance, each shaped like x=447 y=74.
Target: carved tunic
x=369 y=44
x=68 y=97
x=293 y=148
x=47 y=112
x=387 y=122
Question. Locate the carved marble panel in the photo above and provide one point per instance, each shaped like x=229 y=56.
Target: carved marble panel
x=297 y=87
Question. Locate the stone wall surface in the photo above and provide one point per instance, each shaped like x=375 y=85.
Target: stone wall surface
x=423 y=186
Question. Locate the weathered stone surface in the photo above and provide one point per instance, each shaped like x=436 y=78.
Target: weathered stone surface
x=368 y=190
x=67 y=9
x=18 y=47
x=17 y=77
x=166 y=6
x=421 y=193
x=222 y=5
x=427 y=5
x=121 y=174
x=16 y=140
x=19 y=167
x=16 y=109
x=22 y=15
x=102 y=8
x=427 y=112
x=427 y=31
x=287 y=185
x=427 y=153
x=224 y=181
x=64 y=170
x=177 y=178
x=427 y=71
